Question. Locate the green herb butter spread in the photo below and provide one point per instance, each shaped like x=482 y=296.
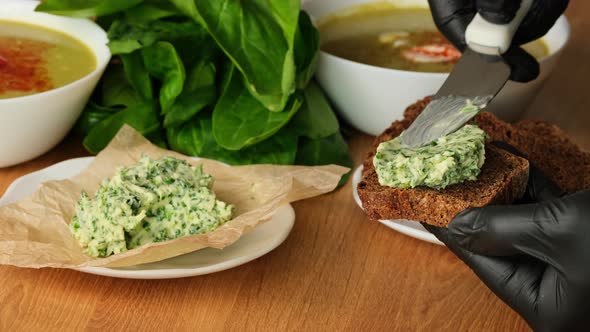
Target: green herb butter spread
x=451 y=159
x=152 y=201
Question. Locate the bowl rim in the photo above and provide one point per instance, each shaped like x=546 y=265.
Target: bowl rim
x=101 y=52
x=554 y=52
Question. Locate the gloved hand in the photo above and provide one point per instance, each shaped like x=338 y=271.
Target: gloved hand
x=453 y=16
x=535 y=256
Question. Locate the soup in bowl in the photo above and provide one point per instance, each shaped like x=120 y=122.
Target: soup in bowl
x=49 y=66
x=377 y=58
x=35 y=59
x=384 y=35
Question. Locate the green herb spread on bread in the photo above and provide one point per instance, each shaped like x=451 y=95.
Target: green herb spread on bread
x=452 y=159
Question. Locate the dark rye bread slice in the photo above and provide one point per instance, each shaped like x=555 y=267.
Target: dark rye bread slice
x=502 y=180
x=546 y=146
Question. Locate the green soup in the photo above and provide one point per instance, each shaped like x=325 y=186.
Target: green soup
x=34 y=59
x=383 y=35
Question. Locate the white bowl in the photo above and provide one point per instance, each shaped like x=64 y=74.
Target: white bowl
x=370 y=98
x=32 y=125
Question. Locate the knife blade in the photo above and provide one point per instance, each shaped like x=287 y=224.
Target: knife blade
x=476 y=79
x=474 y=82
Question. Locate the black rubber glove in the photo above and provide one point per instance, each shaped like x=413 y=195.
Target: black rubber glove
x=453 y=16
x=535 y=256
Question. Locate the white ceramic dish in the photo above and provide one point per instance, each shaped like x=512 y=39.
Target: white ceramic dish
x=32 y=125
x=255 y=244
x=370 y=98
x=407 y=227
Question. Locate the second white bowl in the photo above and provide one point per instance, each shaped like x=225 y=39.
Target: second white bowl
x=370 y=98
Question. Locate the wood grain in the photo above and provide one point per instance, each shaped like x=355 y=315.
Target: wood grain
x=336 y=271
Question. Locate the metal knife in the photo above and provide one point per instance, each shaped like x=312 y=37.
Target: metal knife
x=475 y=80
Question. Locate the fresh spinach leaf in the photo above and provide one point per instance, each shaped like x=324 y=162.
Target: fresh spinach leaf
x=158 y=138
x=116 y=89
x=189 y=104
x=93 y=114
x=143 y=117
x=325 y=151
x=195 y=49
x=315 y=119
x=148 y=12
x=279 y=149
x=202 y=75
x=199 y=92
x=126 y=37
x=188 y=8
x=162 y=62
x=126 y=98
x=137 y=74
x=307 y=45
x=258 y=36
x=106 y=21
x=85 y=8
x=240 y=120
x=267 y=110
x=195 y=138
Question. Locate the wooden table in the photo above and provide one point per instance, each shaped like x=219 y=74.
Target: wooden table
x=336 y=271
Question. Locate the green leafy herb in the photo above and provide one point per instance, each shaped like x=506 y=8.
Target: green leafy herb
x=307 y=45
x=126 y=37
x=196 y=138
x=199 y=92
x=92 y=115
x=258 y=35
x=149 y=12
x=240 y=120
x=188 y=8
x=116 y=90
x=227 y=80
x=316 y=118
x=137 y=74
x=86 y=8
x=324 y=151
x=143 y=117
x=162 y=61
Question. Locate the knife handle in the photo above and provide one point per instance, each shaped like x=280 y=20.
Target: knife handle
x=488 y=38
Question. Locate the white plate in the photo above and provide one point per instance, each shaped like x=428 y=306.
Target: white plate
x=407 y=227
x=260 y=241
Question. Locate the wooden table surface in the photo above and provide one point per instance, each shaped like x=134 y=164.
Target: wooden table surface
x=336 y=270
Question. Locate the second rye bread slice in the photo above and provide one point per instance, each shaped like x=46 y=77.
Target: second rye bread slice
x=502 y=180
